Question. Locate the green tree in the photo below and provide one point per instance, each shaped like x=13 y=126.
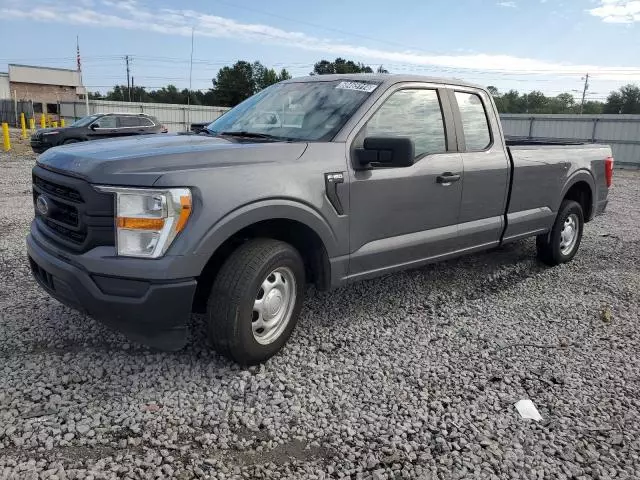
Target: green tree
x=284 y=75
x=263 y=76
x=168 y=94
x=340 y=65
x=592 y=108
x=234 y=84
x=511 y=102
x=563 y=103
x=625 y=100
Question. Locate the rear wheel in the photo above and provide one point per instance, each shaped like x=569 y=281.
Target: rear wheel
x=255 y=300
x=562 y=243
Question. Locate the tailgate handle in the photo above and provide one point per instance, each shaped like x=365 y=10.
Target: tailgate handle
x=447 y=178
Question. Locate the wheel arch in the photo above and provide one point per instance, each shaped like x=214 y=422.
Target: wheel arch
x=581 y=188
x=292 y=222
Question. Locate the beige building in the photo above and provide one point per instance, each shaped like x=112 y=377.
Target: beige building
x=44 y=86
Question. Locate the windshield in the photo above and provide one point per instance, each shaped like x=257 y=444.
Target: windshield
x=84 y=121
x=296 y=111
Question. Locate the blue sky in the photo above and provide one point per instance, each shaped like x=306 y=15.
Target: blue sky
x=545 y=45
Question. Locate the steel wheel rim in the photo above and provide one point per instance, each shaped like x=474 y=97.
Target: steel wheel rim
x=569 y=234
x=273 y=305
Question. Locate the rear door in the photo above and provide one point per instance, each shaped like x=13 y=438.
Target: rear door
x=130 y=125
x=485 y=183
x=404 y=216
x=146 y=125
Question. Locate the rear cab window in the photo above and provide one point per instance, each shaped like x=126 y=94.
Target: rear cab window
x=475 y=122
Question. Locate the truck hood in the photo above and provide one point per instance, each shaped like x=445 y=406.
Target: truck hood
x=141 y=160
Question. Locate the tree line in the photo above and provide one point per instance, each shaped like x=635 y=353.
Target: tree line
x=231 y=86
x=235 y=83
x=624 y=100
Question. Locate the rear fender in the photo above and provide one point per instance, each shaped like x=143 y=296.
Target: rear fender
x=579 y=176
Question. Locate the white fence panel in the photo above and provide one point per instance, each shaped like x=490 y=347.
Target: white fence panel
x=621 y=132
x=175 y=117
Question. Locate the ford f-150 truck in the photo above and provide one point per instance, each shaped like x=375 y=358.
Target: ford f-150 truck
x=324 y=180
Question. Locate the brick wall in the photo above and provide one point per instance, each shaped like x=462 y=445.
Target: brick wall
x=43 y=93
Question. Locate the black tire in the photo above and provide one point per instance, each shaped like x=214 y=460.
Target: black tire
x=70 y=140
x=548 y=245
x=230 y=308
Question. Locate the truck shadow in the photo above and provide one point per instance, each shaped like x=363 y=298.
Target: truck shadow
x=464 y=279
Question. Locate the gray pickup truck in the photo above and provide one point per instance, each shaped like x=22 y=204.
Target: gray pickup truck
x=324 y=180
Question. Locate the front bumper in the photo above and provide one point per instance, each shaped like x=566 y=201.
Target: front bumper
x=153 y=313
x=38 y=146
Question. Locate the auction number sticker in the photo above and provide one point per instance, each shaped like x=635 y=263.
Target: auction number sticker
x=360 y=86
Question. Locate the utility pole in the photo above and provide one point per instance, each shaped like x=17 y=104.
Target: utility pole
x=134 y=90
x=584 y=92
x=126 y=58
x=190 y=74
x=86 y=91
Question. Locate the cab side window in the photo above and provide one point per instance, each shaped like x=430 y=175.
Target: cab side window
x=108 y=121
x=475 y=125
x=412 y=113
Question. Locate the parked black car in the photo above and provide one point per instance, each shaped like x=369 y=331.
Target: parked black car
x=96 y=127
x=199 y=127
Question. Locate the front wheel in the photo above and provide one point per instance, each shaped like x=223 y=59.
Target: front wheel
x=562 y=243
x=255 y=300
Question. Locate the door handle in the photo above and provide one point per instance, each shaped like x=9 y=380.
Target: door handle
x=447 y=178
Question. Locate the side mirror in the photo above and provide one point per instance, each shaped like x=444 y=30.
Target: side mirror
x=386 y=152
x=93 y=126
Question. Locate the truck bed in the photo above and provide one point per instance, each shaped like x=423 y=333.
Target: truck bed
x=539 y=172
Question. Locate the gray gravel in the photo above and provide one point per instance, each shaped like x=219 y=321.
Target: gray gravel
x=410 y=376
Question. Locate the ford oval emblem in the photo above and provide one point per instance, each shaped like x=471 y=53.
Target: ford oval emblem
x=42 y=205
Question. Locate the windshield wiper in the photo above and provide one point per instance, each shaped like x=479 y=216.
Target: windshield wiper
x=246 y=134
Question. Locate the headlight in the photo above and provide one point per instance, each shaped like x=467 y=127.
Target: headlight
x=148 y=220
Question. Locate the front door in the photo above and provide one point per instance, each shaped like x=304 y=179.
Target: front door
x=103 y=127
x=404 y=216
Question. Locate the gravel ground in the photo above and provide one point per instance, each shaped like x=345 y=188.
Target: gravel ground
x=413 y=375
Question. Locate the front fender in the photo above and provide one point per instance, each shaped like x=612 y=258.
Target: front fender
x=271 y=209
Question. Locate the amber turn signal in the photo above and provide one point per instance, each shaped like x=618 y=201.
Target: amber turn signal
x=141 y=223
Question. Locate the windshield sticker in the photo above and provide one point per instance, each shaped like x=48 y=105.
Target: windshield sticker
x=360 y=86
